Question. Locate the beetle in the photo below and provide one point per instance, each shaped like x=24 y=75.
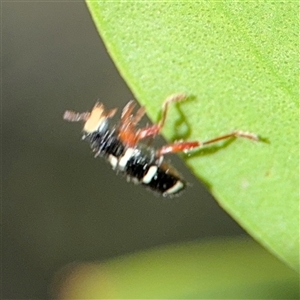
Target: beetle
x=123 y=146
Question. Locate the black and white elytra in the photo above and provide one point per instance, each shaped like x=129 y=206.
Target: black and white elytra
x=122 y=145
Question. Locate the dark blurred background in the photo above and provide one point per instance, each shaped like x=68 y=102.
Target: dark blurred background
x=60 y=205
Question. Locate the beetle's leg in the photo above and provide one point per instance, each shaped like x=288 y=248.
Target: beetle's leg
x=188 y=146
x=178 y=147
x=155 y=129
x=127 y=131
x=127 y=111
x=138 y=116
x=171 y=99
x=236 y=133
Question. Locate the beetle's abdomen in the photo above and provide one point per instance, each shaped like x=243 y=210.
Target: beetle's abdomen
x=163 y=181
x=144 y=168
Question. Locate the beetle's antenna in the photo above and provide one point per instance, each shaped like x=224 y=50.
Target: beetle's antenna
x=73 y=116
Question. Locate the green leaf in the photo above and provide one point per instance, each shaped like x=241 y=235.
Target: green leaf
x=228 y=269
x=238 y=61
